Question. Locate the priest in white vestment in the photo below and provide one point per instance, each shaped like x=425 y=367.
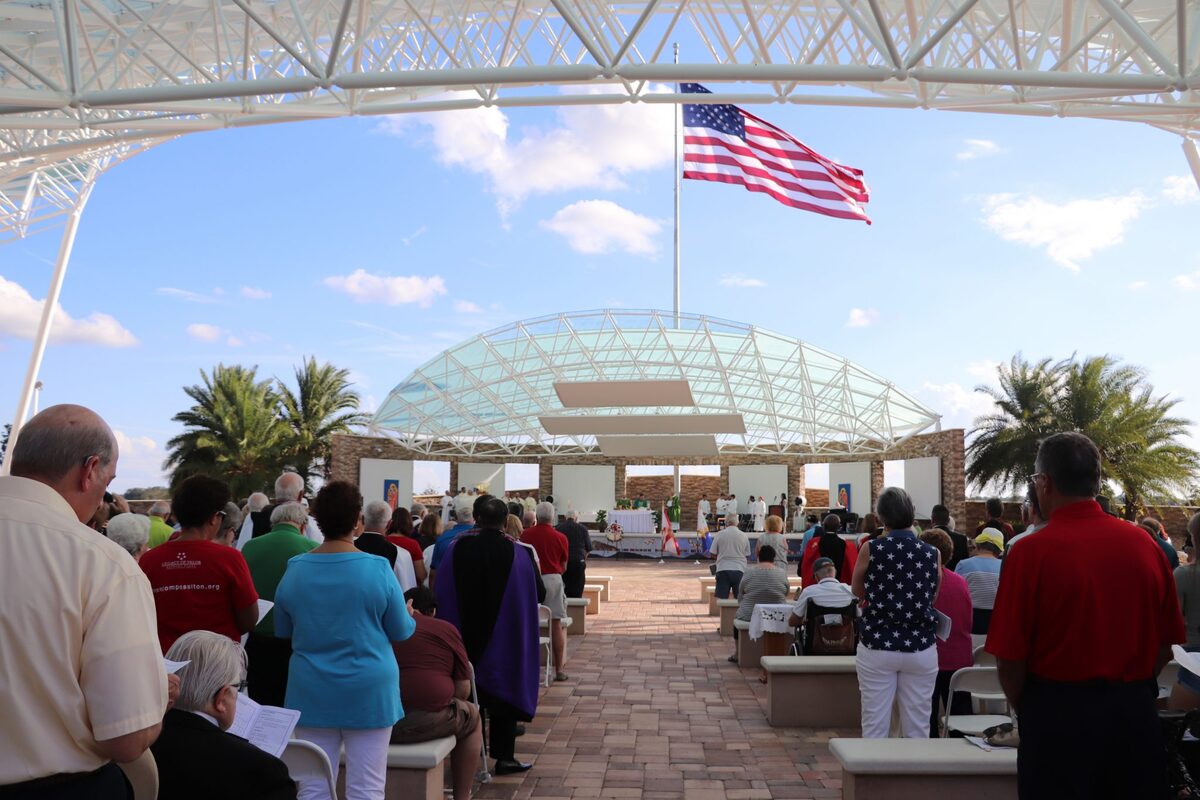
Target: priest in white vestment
x=759 y=509
x=702 y=511
x=447 y=504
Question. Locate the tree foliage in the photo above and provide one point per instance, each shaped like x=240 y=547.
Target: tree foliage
x=1138 y=436
x=246 y=430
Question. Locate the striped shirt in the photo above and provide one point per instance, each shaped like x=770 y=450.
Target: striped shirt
x=983 y=578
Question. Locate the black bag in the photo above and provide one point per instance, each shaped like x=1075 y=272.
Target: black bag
x=830 y=631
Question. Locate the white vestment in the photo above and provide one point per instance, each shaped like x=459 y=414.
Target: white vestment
x=447 y=504
x=759 y=510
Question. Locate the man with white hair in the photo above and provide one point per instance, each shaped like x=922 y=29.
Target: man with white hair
x=376 y=516
x=131 y=531
x=528 y=518
x=462 y=503
x=552 y=550
x=417 y=512
x=84 y=683
x=267 y=557
x=289 y=488
x=196 y=757
x=731 y=549
x=257 y=501
x=160 y=529
x=579 y=543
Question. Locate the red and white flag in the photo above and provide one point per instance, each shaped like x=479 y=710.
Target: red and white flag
x=727 y=144
x=668 y=535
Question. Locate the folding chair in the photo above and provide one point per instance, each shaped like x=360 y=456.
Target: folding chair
x=427 y=554
x=142 y=774
x=982 y=682
x=544 y=616
x=306 y=761
x=483 y=776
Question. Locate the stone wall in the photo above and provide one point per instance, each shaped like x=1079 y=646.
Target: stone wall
x=1174 y=518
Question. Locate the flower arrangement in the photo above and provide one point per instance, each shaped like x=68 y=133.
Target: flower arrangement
x=624 y=504
x=614 y=533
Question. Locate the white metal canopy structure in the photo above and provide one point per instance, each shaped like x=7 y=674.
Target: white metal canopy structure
x=487 y=396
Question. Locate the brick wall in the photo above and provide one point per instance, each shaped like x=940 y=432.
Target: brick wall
x=1174 y=518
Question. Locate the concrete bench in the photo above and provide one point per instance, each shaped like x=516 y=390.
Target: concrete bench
x=414 y=771
x=706 y=582
x=812 y=692
x=592 y=592
x=908 y=769
x=727 y=609
x=578 y=622
x=712 y=601
x=749 y=651
x=605 y=583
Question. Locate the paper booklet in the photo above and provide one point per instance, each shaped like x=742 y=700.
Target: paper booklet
x=1189 y=661
x=944 y=624
x=266 y=727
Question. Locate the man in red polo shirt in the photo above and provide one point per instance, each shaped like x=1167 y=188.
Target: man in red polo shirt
x=552 y=549
x=1079 y=640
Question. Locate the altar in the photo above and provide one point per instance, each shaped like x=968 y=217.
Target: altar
x=636 y=520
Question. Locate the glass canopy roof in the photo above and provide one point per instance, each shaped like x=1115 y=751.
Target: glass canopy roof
x=484 y=397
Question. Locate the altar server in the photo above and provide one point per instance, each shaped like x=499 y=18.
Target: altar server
x=702 y=512
x=759 y=509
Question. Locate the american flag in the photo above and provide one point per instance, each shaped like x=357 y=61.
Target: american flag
x=726 y=144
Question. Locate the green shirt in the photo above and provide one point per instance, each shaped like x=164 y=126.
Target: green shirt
x=159 y=532
x=267 y=556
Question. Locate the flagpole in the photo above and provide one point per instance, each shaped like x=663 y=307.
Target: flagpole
x=678 y=187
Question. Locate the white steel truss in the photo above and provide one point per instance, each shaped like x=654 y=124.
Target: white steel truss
x=483 y=398
x=77 y=75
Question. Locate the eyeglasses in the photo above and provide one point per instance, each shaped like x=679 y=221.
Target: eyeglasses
x=240 y=686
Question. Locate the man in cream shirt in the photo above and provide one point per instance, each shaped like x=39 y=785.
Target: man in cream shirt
x=84 y=684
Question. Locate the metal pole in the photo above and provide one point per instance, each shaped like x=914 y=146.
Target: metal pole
x=1193 y=157
x=37 y=396
x=48 y=306
x=678 y=110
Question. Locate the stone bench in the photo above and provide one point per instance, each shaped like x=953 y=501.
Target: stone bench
x=727 y=608
x=605 y=583
x=414 y=771
x=578 y=620
x=592 y=592
x=900 y=769
x=706 y=582
x=712 y=601
x=812 y=692
x=749 y=651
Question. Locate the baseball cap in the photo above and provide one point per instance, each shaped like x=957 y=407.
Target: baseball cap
x=992 y=537
x=822 y=563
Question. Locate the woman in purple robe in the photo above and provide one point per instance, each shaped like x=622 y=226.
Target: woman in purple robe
x=489 y=588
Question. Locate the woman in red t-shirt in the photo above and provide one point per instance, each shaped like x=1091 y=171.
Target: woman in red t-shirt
x=198 y=583
x=829 y=544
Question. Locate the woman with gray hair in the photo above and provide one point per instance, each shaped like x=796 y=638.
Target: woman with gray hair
x=196 y=757
x=131 y=531
x=898 y=575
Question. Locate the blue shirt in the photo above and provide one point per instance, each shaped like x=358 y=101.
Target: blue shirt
x=1169 y=551
x=443 y=542
x=901 y=582
x=808 y=536
x=983 y=579
x=342 y=611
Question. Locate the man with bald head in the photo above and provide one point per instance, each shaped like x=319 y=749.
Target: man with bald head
x=84 y=681
x=289 y=488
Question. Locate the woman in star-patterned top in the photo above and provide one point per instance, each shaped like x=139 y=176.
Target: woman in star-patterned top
x=898 y=575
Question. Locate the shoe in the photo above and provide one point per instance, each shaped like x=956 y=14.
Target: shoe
x=732 y=659
x=559 y=677
x=511 y=767
x=519 y=730
x=661 y=561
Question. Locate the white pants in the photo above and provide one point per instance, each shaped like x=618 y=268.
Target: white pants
x=885 y=677
x=366 y=761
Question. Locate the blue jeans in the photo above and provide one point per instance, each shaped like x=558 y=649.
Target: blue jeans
x=727 y=583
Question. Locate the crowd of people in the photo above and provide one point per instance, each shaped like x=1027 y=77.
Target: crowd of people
x=379 y=622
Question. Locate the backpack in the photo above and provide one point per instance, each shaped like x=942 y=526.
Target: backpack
x=830 y=631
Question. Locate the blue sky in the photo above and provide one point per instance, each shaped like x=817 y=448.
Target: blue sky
x=376 y=243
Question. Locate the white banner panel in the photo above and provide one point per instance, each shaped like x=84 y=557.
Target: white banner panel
x=923 y=482
x=479 y=476
x=387 y=480
x=757 y=479
x=586 y=489
x=855 y=479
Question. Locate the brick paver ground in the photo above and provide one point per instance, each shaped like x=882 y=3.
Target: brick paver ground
x=653 y=710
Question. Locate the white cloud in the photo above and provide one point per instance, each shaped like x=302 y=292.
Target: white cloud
x=978 y=148
x=862 y=317
x=234 y=341
x=184 y=294
x=984 y=369
x=1180 y=189
x=254 y=293
x=467 y=307
x=20 y=314
x=600 y=226
x=591 y=147
x=741 y=281
x=392 y=290
x=412 y=237
x=1188 y=283
x=1069 y=232
x=203 y=332
x=139 y=462
x=1137 y=286
x=958 y=405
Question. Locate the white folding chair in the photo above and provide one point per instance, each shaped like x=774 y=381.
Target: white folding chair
x=982 y=658
x=1167 y=679
x=483 y=775
x=427 y=554
x=544 y=616
x=983 y=682
x=142 y=774
x=306 y=761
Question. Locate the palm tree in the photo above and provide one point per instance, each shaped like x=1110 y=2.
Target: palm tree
x=1111 y=403
x=1004 y=443
x=233 y=431
x=322 y=405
